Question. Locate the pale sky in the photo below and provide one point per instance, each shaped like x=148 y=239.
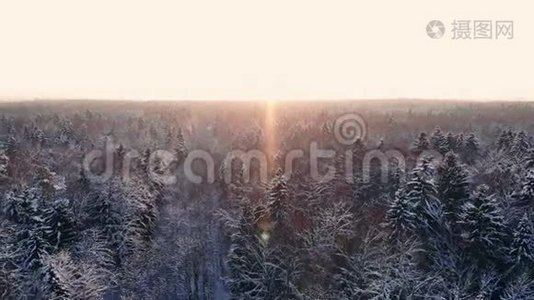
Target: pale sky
x=251 y=49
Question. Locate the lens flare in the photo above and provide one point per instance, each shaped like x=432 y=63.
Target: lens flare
x=270 y=129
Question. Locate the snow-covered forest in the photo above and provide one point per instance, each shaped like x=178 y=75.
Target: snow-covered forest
x=457 y=227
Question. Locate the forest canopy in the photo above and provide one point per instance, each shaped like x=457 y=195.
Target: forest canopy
x=430 y=200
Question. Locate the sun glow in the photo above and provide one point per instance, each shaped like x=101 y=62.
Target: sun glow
x=232 y=50
x=270 y=129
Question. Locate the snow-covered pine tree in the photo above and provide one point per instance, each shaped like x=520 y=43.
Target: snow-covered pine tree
x=168 y=137
x=180 y=149
x=396 y=177
x=471 y=149
x=4 y=164
x=400 y=216
x=10 y=124
x=12 y=285
x=421 y=143
x=520 y=289
x=528 y=161
x=278 y=200
x=430 y=226
x=64 y=133
x=520 y=145
x=381 y=146
x=59 y=224
x=484 y=229
x=33 y=248
x=451 y=142
x=420 y=189
x=438 y=141
x=108 y=211
x=452 y=185
x=12 y=147
x=145 y=210
x=53 y=285
x=326 y=129
x=118 y=160
x=504 y=180
x=502 y=141
x=11 y=206
x=505 y=141
x=358 y=150
x=37 y=136
x=522 y=248
x=460 y=142
x=20 y=207
x=145 y=163
x=525 y=197
x=370 y=183
x=45 y=183
x=26 y=133
x=83 y=183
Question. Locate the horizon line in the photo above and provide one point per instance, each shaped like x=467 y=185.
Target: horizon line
x=35 y=99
